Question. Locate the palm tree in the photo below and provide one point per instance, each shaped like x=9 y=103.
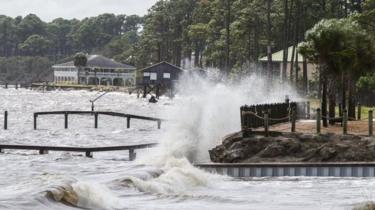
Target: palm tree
x=80 y=61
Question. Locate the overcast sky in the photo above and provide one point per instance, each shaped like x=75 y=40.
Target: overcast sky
x=48 y=10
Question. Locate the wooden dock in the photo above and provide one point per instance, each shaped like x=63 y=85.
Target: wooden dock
x=87 y=150
x=96 y=117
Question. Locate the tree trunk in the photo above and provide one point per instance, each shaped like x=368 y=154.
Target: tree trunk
x=343 y=96
x=292 y=64
x=352 y=100
x=305 y=79
x=269 y=48
x=297 y=68
x=196 y=55
x=296 y=39
x=256 y=43
x=324 y=103
x=78 y=73
x=285 y=41
x=332 y=102
x=227 y=40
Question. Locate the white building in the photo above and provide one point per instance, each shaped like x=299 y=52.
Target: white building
x=277 y=64
x=98 y=71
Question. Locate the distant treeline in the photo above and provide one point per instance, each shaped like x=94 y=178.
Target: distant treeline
x=228 y=34
x=24 y=69
x=109 y=34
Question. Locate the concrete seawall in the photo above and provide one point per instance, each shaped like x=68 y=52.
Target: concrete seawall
x=344 y=169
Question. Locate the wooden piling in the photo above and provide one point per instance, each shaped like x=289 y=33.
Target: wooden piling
x=128 y=122
x=157 y=92
x=159 y=124
x=96 y=120
x=89 y=154
x=318 y=120
x=144 y=91
x=66 y=120
x=370 y=123
x=5 y=120
x=35 y=120
x=287 y=99
x=43 y=152
x=132 y=154
x=6 y=85
x=345 y=122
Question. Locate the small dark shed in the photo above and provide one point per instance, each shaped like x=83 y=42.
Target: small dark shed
x=159 y=78
x=163 y=74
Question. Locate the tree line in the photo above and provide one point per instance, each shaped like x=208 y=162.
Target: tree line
x=344 y=51
x=227 y=34
x=231 y=34
x=30 y=36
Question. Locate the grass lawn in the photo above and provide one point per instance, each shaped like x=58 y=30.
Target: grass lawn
x=315 y=103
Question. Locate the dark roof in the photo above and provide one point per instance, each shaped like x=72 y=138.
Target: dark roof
x=164 y=63
x=99 y=61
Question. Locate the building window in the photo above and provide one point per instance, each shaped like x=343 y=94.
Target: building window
x=153 y=76
x=146 y=74
x=167 y=75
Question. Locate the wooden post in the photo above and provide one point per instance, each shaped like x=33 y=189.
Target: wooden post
x=340 y=110
x=293 y=118
x=132 y=154
x=144 y=91
x=157 y=92
x=318 y=120
x=359 y=111
x=16 y=86
x=89 y=154
x=35 y=120
x=96 y=120
x=345 y=122
x=159 y=124
x=128 y=122
x=66 y=119
x=370 y=123
x=287 y=99
x=92 y=106
x=5 y=120
x=6 y=85
x=43 y=152
x=266 y=121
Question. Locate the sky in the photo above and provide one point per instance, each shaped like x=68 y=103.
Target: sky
x=48 y=10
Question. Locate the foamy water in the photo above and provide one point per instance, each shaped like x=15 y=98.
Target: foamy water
x=162 y=177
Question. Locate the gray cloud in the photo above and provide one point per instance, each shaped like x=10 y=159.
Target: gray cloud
x=51 y=9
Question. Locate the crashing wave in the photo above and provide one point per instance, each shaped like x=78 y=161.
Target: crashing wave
x=84 y=195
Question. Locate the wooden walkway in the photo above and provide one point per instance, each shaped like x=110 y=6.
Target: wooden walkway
x=96 y=116
x=87 y=150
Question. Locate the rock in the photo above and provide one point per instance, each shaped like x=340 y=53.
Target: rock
x=285 y=147
x=327 y=152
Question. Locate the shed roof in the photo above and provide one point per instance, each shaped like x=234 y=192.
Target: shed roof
x=278 y=56
x=99 y=61
x=163 y=63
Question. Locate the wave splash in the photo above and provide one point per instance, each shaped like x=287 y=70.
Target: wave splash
x=84 y=195
x=203 y=113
